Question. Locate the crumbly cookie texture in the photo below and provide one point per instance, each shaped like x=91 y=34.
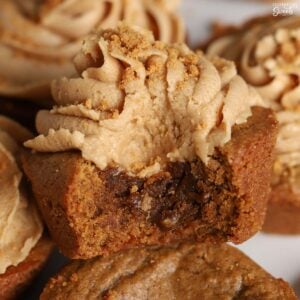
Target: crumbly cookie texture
x=140 y=104
x=91 y=212
x=39 y=39
x=189 y=271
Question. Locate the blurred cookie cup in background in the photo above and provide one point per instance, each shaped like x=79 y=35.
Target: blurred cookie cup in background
x=38 y=39
x=23 y=248
x=267 y=54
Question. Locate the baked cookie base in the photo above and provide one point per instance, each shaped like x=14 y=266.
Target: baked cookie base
x=17 y=278
x=283 y=213
x=187 y=271
x=90 y=212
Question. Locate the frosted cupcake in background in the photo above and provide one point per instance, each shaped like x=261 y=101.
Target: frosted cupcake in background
x=23 y=250
x=267 y=53
x=38 y=39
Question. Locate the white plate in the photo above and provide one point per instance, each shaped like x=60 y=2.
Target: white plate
x=280 y=255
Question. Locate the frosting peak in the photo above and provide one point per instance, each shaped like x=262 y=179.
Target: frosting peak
x=140 y=103
x=39 y=39
x=20 y=226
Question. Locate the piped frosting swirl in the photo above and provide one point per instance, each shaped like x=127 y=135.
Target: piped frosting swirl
x=20 y=225
x=38 y=39
x=140 y=103
x=267 y=53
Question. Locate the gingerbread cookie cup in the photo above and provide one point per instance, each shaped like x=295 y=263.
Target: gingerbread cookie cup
x=267 y=53
x=91 y=212
x=17 y=278
x=188 y=271
x=23 y=250
x=170 y=147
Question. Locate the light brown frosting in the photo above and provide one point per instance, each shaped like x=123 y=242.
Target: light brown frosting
x=38 y=39
x=139 y=104
x=268 y=56
x=20 y=225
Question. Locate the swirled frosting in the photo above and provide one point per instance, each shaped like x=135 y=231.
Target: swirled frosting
x=20 y=226
x=140 y=103
x=268 y=57
x=38 y=39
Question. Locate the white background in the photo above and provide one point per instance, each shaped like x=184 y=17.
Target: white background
x=280 y=255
